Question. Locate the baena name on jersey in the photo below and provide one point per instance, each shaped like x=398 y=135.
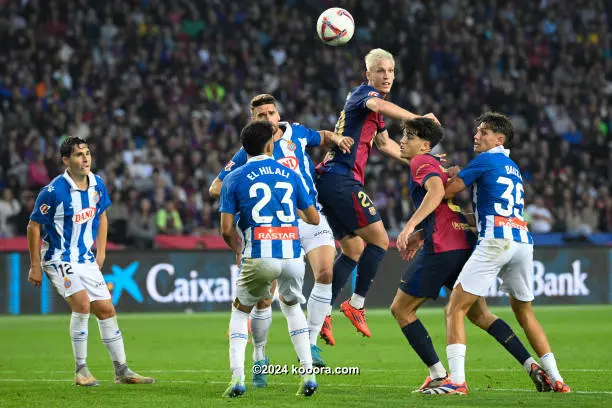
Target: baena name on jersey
x=84 y=215
x=266 y=171
x=514 y=171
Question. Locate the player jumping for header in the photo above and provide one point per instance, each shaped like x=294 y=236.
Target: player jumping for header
x=340 y=182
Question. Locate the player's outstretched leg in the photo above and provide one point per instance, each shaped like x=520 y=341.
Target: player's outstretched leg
x=404 y=309
x=481 y=316
x=113 y=341
x=352 y=248
x=538 y=340
x=373 y=254
x=261 y=319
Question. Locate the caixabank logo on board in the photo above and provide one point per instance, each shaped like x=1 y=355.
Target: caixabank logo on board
x=163 y=283
x=551 y=284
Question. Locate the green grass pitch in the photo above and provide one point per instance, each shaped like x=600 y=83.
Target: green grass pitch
x=188 y=356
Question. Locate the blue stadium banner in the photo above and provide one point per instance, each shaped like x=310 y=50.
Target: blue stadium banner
x=200 y=281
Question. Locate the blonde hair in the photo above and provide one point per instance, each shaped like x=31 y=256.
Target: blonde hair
x=375 y=55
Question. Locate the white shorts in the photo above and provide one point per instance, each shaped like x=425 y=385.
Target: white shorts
x=69 y=278
x=510 y=260
x=257 y=274
x=314 y=236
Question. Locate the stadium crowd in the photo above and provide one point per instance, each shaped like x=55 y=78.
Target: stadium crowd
x=161 y=90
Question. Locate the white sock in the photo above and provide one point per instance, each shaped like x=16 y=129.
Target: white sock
x=437 y=371
x=79 y=325
x=527 y=364
x=550 y=365
x=113 y=340
x=318 y=304
x=239 y=336
x=261 y=319
x=456 y=362
x=298 y=330
x=357 y=301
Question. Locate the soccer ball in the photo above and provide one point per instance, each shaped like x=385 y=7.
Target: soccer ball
x=335 y=26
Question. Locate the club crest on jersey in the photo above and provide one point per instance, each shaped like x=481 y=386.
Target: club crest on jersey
x=84 y=215
x=372 y=93
x=67 y=283
x=229 y=165
x=44 y=209
x=96 y=197
x=372 y=210
x=291 y=146
x=290 y=162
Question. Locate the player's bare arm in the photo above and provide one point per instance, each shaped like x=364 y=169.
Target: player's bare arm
x=389 y=109
x=389 y=147
x=431 y=201
x=35 y=273
x=215 y=188
x=331 y=139
x=311 y=215
x=101 y=240
x=454 y=186
x=228 y=232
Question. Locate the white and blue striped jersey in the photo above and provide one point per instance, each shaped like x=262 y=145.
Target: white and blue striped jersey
x=290 y=151
x=265 y=195
x=70 y=218
x=497 y=195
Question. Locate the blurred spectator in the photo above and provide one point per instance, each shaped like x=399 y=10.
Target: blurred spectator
x=141 y=227
x=541 y=220
x=9 y=209
x=168 y=219
x=118 y=216
x=161 y=89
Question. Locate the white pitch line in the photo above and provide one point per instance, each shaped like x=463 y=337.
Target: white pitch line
x=330 y=385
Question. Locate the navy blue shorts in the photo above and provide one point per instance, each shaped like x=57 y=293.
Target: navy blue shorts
x=345 y=204
x=429 y=272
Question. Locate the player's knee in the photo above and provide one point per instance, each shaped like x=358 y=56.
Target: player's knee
x=264 y=303
x=81 y=306
x=323 y=275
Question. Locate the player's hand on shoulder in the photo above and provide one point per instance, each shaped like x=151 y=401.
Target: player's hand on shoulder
x=432 y=117
x=35 y=275
x=345 y=143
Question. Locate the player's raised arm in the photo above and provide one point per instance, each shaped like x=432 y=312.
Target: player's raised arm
x=331 y=139
x=389 y=147
x=35 y=273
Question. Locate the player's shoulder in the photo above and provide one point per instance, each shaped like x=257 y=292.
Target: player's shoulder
x=99 y=181
x=364 y=90
x=422 y=159
x=55 y=187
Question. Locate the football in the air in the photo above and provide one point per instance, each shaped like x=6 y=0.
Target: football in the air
x=335 y=26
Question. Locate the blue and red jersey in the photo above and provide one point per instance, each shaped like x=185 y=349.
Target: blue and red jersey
x=445 y=229
x=360 y=123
